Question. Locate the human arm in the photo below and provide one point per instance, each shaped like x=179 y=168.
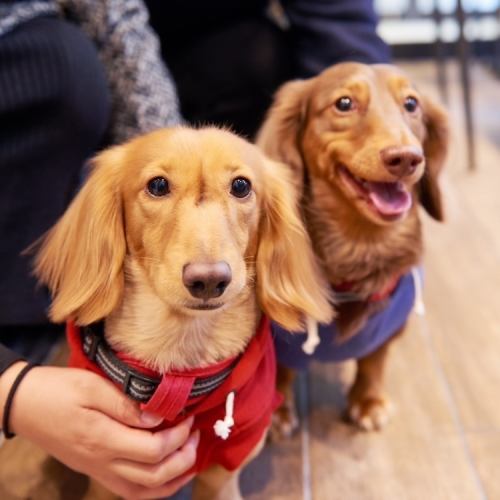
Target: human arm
x=143 y=93
x=13 y=14
x=325 y=32
x=85 y=422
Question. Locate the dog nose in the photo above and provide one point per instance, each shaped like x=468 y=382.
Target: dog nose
x=206 y=280
x=401 y=160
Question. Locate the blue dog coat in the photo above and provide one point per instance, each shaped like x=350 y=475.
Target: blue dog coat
x=380 y=327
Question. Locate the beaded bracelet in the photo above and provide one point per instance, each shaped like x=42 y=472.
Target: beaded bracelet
x=10 y=398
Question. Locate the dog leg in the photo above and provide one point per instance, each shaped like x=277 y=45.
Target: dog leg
x=217 y=483
x=96 y=491
x=368 y=407
x=285 y=420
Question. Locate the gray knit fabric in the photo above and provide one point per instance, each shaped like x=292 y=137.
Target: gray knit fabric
x=13 y=14
x=143 y=92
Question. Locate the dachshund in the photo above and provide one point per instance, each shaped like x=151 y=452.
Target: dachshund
x=364 y=146
x=169 y=263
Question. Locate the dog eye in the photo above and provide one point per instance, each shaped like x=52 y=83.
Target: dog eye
x=344 y=104
x=411 y=104
x=240 y=187
x=158 y=186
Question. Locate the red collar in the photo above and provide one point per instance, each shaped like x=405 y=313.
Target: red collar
x=252 y=381
x=344 y=293
x=173 y=391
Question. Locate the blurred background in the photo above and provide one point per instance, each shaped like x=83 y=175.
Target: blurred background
x=464 y=32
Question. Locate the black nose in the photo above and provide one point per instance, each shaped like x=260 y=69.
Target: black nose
x=401 y=160
x=206 y=281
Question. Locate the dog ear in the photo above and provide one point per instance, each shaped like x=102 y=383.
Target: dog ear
x=290 y=285
x=81 y=258
x=435 y=149
x=279 y=135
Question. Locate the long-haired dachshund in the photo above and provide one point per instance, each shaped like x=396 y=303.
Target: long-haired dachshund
x=175 y=243
x=364 y=147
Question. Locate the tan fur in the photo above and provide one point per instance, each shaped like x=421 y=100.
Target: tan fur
x=305 y=130
x=119 y=253
x=82 y=257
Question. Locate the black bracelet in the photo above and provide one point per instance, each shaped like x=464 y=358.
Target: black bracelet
x=10 y=399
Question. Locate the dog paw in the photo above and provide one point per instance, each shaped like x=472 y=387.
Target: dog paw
x=284 y=424
x=370 y=413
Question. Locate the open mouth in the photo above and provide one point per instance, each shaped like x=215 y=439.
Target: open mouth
x=390 y=200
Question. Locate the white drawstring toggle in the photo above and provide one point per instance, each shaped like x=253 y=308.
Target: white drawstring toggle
x=222 y=428
x=312 y=341
x=419 y=306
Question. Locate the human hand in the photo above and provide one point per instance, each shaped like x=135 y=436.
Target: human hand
x=84 y=421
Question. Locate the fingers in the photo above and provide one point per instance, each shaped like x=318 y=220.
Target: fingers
x=101 y=395
x=140 y=463
x=140 y=445
x=157 y=475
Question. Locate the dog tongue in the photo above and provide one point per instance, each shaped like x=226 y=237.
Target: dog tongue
x=390 y=198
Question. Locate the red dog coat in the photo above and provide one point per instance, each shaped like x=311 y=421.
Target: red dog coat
x=253 y=380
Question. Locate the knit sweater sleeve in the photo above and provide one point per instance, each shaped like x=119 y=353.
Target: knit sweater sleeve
x=142 y=90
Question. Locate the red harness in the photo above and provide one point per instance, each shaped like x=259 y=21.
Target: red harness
x=253 y=380
x=346 y=287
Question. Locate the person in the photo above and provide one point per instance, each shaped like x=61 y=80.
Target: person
x=228 y=58
x=78 y=75
x=68 y=88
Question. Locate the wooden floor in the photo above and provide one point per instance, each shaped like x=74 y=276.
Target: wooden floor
x=444 y=374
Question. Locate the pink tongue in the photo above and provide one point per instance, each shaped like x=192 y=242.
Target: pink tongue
x=389 y=198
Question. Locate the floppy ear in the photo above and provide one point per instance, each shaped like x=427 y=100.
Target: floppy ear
x=435 y=150
x=81 y=257
x=290 y=285
x=279 y=135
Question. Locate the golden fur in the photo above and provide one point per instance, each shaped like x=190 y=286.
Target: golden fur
x=319 y=142
x=118 y=253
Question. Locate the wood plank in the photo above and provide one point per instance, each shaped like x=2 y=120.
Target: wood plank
x=276 y=473
x=421 y=453
x=463 y=269
x=485 y=449
x=463 y=309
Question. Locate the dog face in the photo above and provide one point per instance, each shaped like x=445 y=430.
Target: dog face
x=374 y=140
x=202 y=214
x=192 y=215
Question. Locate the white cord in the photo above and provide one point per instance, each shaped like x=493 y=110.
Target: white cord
x=419 y=306
x=312 y=341
x=222 y=428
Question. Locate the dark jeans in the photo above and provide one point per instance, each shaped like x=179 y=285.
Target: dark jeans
x=54 y=109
